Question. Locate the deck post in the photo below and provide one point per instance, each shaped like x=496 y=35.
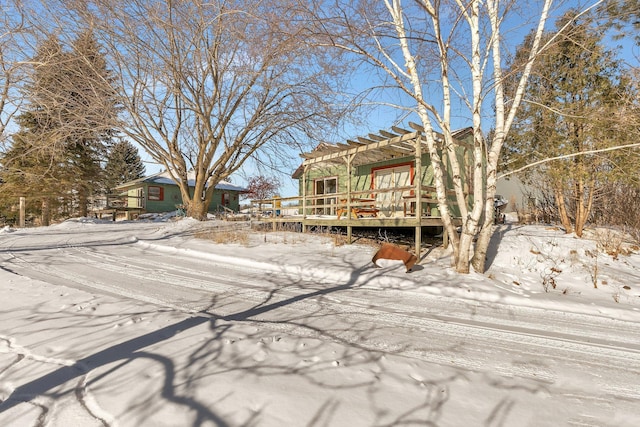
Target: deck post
x=418 y=190
x=348 y=159
x=304 y=197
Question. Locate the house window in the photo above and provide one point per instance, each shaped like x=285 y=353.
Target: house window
x=326 y=186
x=156 y=194
x=225 y=199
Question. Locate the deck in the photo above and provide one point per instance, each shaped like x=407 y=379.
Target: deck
x=130 y=213
x=376 y=175
x=365 y=213
x=332 y=220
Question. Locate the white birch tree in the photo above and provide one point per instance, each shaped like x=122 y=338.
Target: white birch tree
x=444 y=54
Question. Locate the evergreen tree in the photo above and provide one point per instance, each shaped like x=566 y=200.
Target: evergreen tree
x=32 y=165
x=573 y=107
x=622 y=14
x=66 y=128
x=123 y=164
x=92 y=112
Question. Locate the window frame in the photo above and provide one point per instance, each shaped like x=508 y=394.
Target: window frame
x=153 y=196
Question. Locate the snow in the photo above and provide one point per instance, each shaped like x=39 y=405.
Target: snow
x=155 y=323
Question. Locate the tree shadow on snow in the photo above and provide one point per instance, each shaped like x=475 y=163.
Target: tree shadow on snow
x=125 y=351
x=355 y=335
x=494 y=243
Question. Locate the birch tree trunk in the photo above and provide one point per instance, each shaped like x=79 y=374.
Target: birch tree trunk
x=395 y=10
x=477 y=219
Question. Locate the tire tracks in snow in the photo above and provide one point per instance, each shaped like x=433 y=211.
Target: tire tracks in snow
x=566 y=345
x=425 y=326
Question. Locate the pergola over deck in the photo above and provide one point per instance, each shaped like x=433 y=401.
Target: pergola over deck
x=398 y=143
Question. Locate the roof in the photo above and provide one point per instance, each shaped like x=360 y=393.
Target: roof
x=385 y=145
x=164 y=178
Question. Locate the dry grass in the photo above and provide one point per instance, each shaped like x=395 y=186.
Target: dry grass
x=240 y=237
x=290 y=233
x=612 y=242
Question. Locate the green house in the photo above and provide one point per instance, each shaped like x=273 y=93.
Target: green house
x=378 y=172
x=160 y=193
x=383 y=180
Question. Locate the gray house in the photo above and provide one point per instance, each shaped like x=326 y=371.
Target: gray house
x=521 y=197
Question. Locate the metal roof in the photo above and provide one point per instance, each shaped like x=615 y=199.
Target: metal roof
x=164 y=178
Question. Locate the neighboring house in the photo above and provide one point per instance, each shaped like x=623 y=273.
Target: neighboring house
x=160 y=193
x=522 y=198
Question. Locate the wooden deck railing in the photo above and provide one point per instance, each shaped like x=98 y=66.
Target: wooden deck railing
x=402 y=200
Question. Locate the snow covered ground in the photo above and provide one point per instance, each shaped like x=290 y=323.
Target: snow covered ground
x=153 y=323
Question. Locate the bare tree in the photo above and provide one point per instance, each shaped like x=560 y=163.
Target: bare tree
x=443 y=55
x=12 y=58
x=261 y=187
x=209 y=84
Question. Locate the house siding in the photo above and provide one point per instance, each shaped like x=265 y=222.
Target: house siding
x=362 y=176
x=338 y=171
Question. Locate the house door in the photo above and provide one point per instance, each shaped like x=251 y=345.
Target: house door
x=390 y=202
x=326 y=186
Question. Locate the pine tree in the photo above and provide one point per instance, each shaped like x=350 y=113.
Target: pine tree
x=66 y=128
x=123 y=164
x=32 y=165
x=623 y=14
x=92 y=112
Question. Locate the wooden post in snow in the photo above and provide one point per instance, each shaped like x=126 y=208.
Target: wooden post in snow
x=23 y=209
x=304 y=197
x=418 y=190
